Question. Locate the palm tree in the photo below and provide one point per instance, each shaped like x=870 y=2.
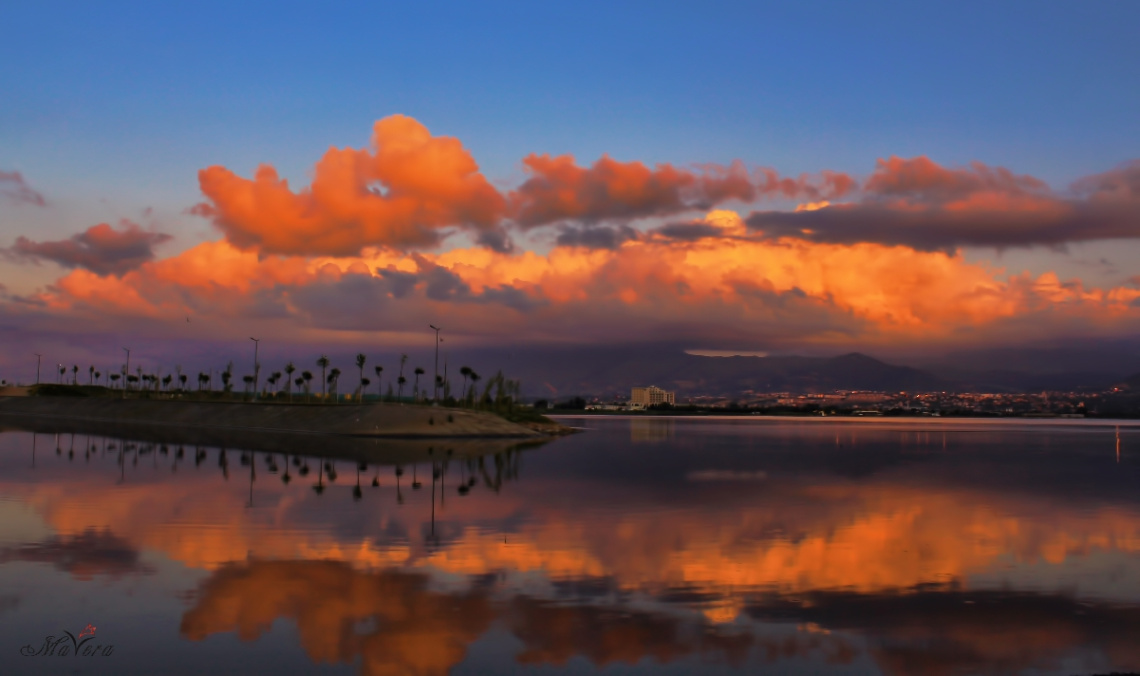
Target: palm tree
x=182 y=381
x=114 y=379
x=323 y=362
x=75 y=374
x=289 y=369
x=474 y=379
x=465 y=371
x=416 y=390
x=379 y=387
x=91 y=375
x=401 y=380
x=334 y=374
x=166 y=380
x=98 y=375
x=248 y=380
x=202 y=378
x=274 y=377
x=178 y=372
x=361 y=359
x=307 y=376
x=228 y=375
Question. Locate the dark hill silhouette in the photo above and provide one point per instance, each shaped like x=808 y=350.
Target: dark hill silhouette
x=613 y=371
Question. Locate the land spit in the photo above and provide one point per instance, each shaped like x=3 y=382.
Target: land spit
x=371 y=450
x=369 y=420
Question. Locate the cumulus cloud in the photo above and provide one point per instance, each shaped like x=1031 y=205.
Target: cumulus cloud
x=100 y=248
x=918 y=203
x=717 y=290
x=403 y=193
x=16 y=190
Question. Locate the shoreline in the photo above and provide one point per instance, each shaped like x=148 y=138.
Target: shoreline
x=380 y=421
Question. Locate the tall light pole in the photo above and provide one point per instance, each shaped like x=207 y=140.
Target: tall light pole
x=126 y=371
x=435 y=383
x=38 y=357
x=256 y=366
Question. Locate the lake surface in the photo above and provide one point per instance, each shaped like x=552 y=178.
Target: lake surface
x=639 y=546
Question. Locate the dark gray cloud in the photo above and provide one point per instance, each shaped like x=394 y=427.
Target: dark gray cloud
x=596 y=237
x=948 y=209
x=496 y=239
x=15 y=189
x=688 y=232
x=100 y=249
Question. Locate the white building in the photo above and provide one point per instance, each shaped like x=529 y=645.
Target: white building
x=644 y=397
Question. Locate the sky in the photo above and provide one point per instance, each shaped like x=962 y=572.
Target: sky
x=743 y=177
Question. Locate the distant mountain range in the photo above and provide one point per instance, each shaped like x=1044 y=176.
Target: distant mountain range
x=608 y=372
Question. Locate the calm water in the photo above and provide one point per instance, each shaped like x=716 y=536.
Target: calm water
x=640 y=546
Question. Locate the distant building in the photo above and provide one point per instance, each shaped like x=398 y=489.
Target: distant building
x=644 y=397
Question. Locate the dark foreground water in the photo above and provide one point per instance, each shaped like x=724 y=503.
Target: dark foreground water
x=640 y=546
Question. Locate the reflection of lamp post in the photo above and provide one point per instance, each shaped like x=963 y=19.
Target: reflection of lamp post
x=436 y=375
x=256 y=366
x=38 y=357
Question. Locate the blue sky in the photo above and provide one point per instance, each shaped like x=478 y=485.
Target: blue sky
x=128 y=100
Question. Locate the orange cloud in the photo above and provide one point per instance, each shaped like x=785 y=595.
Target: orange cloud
x=720 y=286
x=399 y=195
x=559 y=189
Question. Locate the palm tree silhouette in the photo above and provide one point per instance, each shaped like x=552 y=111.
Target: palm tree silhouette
x=416 y=390
x=334 y=375
x=307 y=376
x=323 y=362
x=75 y=374
x=90 y=375
x=465 y=371
x=474 y=379
x=361 y=359
x=289 y=369
x=401 y=380
x=114 y=379
x=379 y=393
x=181 y=381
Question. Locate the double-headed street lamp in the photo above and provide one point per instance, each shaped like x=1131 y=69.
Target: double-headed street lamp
x=436 y=383
x=256 y=366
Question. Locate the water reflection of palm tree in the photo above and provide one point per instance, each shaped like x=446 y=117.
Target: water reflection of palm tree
x=224 y=463
x=415 y=483
x=356 y=492
x=320 y=487
x=376 y=479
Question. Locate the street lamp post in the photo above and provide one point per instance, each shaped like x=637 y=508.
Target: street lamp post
x=435 y=383
x=256 y=366
x=38 y=357
x=126 y=371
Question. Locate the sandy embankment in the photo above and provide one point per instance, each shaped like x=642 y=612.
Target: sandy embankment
x=369 y=420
